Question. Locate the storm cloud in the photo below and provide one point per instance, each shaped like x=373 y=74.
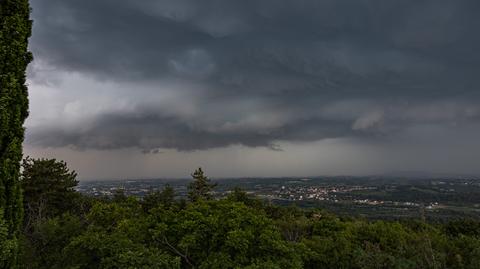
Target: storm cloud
x=196 y=75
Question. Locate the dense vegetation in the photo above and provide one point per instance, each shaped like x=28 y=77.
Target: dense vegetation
x=165 y=231
x=64 y=229
x=15 y=29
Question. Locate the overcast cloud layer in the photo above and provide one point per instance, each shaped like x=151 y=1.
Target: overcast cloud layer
x=199 y=75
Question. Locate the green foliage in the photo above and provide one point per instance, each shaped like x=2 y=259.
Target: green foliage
x=238 y=195
x=166 y=198
x=200 y=187
x=231 y=234
x=48 y=187
x=117 y=237
x=8 y=245
x=45 y=243
x=236 y=232
x=15 y=29
x=224 y=234
x=463 y=227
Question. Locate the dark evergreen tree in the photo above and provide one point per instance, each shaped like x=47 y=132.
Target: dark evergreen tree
x=48 y=187
x=200 y=187
x=15 y=29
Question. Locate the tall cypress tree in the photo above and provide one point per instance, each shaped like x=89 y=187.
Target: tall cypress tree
x=15 y=29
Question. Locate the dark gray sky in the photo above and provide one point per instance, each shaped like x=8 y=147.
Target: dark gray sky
x=256 y=88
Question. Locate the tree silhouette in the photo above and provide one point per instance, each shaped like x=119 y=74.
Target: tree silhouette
x=48 y=188
x=201 y=187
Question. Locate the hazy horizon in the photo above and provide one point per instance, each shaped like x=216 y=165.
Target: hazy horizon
x=407 y=175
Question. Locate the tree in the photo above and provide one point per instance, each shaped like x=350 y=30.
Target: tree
x=201 y=187
x=49 y=188
x=15 y=29
x=117 y=237
x=165 y=197
x=119 y=196
x=239 y=195
x=223 y=234
x=7 y=244
x=43 y=249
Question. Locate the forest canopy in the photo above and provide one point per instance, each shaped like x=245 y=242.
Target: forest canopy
x=163 y=230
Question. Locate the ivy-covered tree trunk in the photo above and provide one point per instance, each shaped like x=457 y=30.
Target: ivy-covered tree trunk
x=15 y=29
